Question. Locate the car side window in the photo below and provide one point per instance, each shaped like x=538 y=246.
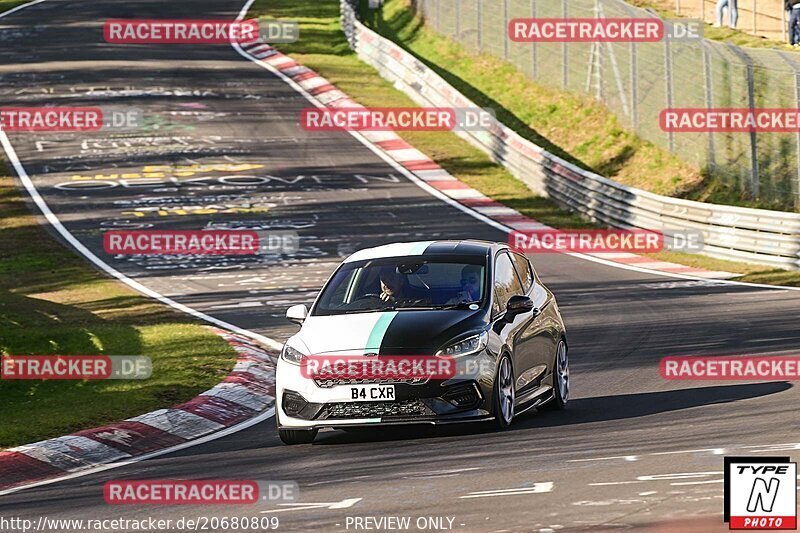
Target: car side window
x=524 y=270
x=506 y=283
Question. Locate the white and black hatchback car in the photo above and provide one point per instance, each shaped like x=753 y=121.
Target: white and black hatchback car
x=477 y=304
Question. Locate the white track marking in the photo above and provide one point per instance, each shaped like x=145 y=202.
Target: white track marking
x=613 y=483
x=681 y=483
x=537 y=488
x=88 y=254
x=623 y=457
x=56 y=224
x=344 y=504
x=15 y=9
x=714 y=451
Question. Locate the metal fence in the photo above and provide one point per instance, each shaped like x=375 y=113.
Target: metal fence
x=638 y=80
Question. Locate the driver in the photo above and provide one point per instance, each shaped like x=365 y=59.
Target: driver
x=393 y=285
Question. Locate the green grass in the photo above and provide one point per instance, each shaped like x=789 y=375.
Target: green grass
x=54 y=303
x=323 y=48
x=5 y=5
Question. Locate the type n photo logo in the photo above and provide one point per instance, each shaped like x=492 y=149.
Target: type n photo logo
x=760 y=493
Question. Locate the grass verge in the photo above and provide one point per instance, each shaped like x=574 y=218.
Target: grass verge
x=5 y=5
x=323 y=48
x=54 y=303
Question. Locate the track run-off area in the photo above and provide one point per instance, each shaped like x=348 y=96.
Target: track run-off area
x=222 y=148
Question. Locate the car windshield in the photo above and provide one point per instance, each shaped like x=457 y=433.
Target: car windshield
x=404 y=283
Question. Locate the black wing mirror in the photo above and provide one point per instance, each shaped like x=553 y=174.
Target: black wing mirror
x=517 y=305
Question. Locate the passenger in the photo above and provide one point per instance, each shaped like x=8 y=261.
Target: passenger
x=470 y=286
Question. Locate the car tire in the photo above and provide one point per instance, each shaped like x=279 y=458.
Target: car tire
x=503 y=394
x=560 y=379
x=297 y=436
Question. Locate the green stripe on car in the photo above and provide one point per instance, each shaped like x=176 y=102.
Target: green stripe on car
x=420 y=247
x=378 y=331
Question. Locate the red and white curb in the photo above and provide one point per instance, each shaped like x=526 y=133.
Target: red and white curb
x=245 y=393
x=432 y=174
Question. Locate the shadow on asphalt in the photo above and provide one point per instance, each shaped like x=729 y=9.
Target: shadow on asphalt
x=579 y=411
x=606 y=408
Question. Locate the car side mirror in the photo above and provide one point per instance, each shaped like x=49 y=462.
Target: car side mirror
x=517 y=305
x=297 y=313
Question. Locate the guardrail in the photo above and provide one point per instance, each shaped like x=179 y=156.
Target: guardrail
x=741 y=234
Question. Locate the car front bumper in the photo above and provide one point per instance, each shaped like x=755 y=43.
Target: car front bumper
x=301 y=403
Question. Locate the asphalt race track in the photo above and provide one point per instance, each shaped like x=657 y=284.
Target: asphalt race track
x=222 y=137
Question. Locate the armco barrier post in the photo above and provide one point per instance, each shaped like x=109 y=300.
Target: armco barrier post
x=751 y=104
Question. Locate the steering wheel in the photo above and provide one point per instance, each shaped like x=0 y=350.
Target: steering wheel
x=368 y=295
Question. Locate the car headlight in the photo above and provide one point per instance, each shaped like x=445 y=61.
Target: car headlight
x=292 y=355
x=468 y=346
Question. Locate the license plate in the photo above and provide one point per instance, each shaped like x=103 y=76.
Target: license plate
x=371 y=393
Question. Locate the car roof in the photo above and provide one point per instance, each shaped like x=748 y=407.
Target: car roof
x=427 y=248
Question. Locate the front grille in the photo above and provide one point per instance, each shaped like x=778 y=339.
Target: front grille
x=345 y=410
x=334 y=382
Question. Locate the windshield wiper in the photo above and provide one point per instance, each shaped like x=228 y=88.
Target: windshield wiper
x=460 y=305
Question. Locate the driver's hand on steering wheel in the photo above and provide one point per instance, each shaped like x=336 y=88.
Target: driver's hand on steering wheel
x=386 y=296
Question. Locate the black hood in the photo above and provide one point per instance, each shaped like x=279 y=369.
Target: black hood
x=425 y=332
